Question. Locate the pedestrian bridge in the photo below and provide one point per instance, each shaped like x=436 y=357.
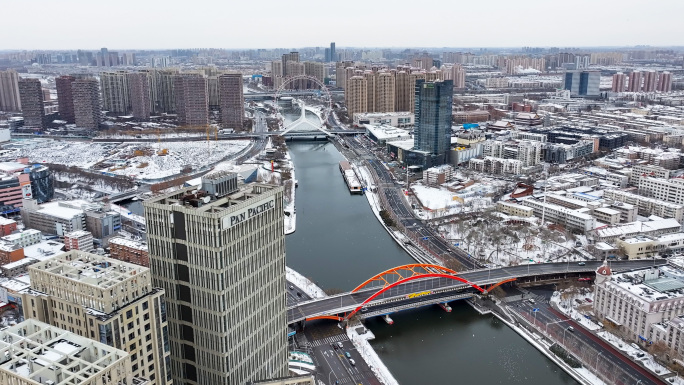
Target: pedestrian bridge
x=416 y=285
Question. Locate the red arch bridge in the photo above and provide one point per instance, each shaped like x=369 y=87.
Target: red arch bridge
x=410 y=286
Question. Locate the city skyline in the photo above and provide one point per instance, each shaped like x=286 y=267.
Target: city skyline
x=272 y=26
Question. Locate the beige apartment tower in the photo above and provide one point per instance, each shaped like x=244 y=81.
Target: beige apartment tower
x=232 y=101
x=355 y=95
x=106 y=300
x=385 y=91
x=219 y=251
x=9 y=91
x=114 y=87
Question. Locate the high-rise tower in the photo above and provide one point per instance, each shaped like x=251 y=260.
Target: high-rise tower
x=31 y=94
x=432 y=132
x=65 y=98
x=219 y=252
x=232 y=100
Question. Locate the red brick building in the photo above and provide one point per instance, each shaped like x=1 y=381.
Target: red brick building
x=7 y=226
x=129 y=251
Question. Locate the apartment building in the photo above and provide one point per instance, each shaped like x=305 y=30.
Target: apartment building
x=569 y=218
x=65 y=98
x=79 y=240
x=24 y=238
x=32 y=107
x=669 y=190
x=36 y=353
x=647 y=206
x=192 y=99
x=493 y=165
x=128 y=250
x=115 y=92
x=87 y=108
x=139 y=94
x=232 y=101
x=652 y=171
x=438 y=175
x=105 y=300
x=10 y=100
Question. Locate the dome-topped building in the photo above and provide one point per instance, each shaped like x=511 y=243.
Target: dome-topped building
x=603 y=273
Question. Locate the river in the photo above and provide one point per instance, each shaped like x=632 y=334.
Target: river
x=339 y=243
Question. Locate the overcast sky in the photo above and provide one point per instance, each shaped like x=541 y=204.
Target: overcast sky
x=159 y=24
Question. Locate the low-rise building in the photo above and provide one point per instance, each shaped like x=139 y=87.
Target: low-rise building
x=494 y=165
x=644 y=305
x=653 y=228
x=9 y=252
x=647 y=206
x=383 y=133
x=128 y=250
x=607 y=215
x=395 y=119
x=24 y=238
x=514 y=209
x=53 y=218
x=15 y=269
x=438 y=175
x=669 y=190
x=36 y=353
x=79 y=240
x=569 y=218
x=7 y=226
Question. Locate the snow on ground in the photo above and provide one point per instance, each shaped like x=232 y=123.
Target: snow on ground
x=123 y=159
x=127 y=214
x=80 y=154
x=434 y=198
x=647 y=359
x=304 y=284
x=572 y=311
x=366 y=351
x=589 y=376
x=180 y=154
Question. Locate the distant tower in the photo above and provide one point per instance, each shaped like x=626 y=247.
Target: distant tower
x=665 y=82
x=619 y=82
x=634 y=82
x=32 y=107
x=232 y=100
x=139 y=93
x=9 y=91
x=65 y=98
x=333 y=54
x=650 y=81
x=192 y=99
x=87 y=109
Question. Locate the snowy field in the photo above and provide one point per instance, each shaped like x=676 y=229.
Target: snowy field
x=79 y=154
x=180 y=154
x=139 y=160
